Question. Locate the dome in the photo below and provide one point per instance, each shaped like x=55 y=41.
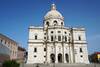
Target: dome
x=53 y=13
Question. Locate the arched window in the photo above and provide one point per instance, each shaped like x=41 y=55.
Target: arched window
x=55 y=23
x=47 y=23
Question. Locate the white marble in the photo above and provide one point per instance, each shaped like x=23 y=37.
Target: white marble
x=65 y=51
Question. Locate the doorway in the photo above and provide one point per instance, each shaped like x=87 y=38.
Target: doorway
x=67 y=58
x=52 y=56
x=60 y=58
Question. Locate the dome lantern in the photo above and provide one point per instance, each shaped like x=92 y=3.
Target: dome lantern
x=53 y=7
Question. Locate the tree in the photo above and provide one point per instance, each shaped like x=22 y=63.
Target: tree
x=11 y=63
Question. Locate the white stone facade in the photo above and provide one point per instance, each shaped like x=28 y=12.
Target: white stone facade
x=54 y=43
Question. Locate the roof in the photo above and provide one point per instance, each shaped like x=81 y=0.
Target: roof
x=7 y=38
x=21 y=49
x=97 y=52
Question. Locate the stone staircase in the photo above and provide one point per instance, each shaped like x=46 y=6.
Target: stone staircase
x=60 y=65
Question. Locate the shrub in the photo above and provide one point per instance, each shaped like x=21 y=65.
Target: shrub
x=10 y=63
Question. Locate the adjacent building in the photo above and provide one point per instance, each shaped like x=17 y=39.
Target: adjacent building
x=4 y=53
x=21 y=55
x=55 y=43
x=11 y=45
x=95 y=57
x=10 y=50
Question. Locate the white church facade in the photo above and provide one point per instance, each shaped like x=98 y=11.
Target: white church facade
x=55 y=43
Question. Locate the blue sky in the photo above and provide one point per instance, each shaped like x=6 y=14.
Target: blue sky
x=17 y=15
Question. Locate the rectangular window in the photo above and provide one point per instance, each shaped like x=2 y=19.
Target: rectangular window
x=79 y=37
x=5 y=42
x=51 y=38
x=65 y=32
x=35 y=56
x=35 y=49
x=44 y=33
x=35 y=37
x=65 y=38
x=44 y=37
x=59 y=38
x=81 y=56
x=44 y=56
x=81 y=50
x=59 y=31
x=44 y=49
x=1 y=41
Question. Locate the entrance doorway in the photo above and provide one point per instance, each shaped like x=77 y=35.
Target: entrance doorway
x=60 y=58
x=52 y=56
x=67 y=58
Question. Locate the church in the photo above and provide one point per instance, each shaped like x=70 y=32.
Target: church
x=55 y=43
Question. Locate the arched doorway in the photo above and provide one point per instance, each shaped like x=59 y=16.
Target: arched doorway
x=67 y=58
x=60 y=58
x=52 y=56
